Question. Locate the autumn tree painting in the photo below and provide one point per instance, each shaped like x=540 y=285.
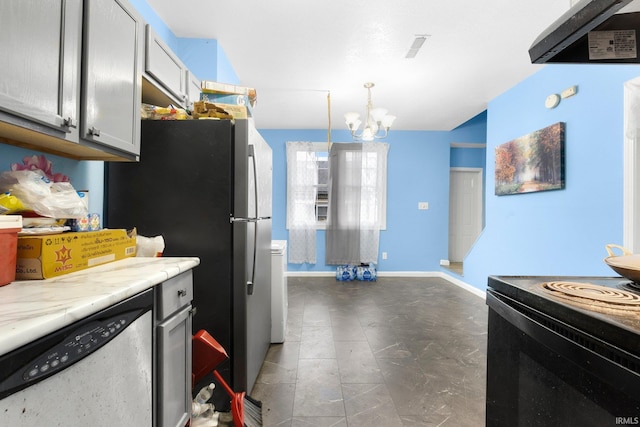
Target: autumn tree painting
x=533 y=162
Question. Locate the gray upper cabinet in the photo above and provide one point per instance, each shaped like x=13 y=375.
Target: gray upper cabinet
x=194 y=89
x=39 y=77
x=165 y=67
x=112 y=73
x=71 y=77
x=166 y=79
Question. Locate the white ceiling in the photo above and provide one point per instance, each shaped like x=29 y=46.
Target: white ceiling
x=295 y=51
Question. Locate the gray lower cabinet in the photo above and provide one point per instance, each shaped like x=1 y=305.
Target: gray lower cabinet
x=70 y=81
x=173 y=351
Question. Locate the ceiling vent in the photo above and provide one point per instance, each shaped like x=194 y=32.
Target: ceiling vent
x=416 y=45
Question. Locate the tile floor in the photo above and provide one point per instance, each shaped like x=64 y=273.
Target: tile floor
x=396 y=352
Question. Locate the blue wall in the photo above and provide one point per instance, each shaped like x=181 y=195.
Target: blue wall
x=85 y=175
x=559 y=232
x=418 y=171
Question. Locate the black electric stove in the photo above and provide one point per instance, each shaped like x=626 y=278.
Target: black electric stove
x=563 y=351
x=620 y=326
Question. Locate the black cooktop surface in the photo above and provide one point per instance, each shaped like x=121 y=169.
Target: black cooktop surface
x=615 y=323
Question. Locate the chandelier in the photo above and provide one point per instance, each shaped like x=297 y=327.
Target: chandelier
x=377 y=123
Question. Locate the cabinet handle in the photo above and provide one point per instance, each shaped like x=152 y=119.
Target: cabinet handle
x=70 y=122
x=182 y=293
x=93 y=131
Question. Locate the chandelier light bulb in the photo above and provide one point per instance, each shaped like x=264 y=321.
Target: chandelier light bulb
x=367 y=134
x=351 y=118
x=378 y=114
x=387 y=121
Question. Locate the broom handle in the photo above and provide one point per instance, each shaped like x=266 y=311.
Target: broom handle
x=224 y=383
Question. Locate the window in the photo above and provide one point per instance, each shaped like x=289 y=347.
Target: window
x=322 y=189
x=307 y=197
x=363 y=174
x=374 y=201
x=299 y=182
x=357 y=205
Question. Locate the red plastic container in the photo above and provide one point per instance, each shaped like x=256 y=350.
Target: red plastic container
x=10 y=225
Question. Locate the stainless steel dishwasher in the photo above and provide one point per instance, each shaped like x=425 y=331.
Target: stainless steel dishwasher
x=95 y=372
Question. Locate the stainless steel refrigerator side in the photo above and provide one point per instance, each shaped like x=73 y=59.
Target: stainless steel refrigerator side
x=264 y=159
x=259 y=302
x=252 y=251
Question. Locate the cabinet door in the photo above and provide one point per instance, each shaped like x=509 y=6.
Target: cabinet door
x=164 y=66
x=174 y=370
x=112 y=74
x=194 y=89
x=40 y=72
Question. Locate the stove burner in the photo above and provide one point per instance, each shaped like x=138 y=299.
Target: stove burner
x=594 y=296
x=635 y=286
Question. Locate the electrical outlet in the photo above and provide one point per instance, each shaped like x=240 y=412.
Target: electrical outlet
x=384 y=255
x=423 y=206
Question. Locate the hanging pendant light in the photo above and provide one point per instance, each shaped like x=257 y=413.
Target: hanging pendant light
x=376 y=125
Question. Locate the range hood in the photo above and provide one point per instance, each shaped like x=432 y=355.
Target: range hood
x=593 y=32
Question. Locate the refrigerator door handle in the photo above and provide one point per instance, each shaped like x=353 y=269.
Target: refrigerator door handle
x=233 y=219
x=254 y=162
x=252 y=155
x=261 y=218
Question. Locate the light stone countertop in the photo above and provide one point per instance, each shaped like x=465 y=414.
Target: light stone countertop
x=30 y=309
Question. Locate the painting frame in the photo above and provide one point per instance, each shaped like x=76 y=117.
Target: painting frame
x=531 y=163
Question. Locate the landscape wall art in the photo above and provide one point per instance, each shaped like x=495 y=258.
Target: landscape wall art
x=533 y=162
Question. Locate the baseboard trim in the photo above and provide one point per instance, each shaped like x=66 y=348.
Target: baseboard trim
x=467 y=287
x=454 y=281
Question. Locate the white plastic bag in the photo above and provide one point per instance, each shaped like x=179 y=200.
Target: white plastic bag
x=149 y=246
x=44 y=197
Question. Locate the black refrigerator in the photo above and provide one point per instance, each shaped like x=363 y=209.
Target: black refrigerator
x=205 y=186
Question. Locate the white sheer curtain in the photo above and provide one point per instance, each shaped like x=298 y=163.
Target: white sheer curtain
x=357 y=202
x=302 y=180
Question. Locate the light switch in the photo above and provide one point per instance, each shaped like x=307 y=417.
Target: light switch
x=423 y=206
x=570 y=91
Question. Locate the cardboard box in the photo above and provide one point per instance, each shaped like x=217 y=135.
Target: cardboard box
x=42 y=257
x=211 y=87
x=221 y=98
x=236 y=111
x=203 y=109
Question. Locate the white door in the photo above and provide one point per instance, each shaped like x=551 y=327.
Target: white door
x=631 y=209
x=465 y=210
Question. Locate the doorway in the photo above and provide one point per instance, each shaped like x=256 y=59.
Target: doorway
x=631 y=226
x=465 y=213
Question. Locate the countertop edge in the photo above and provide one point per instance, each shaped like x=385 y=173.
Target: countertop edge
x=30 y=309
